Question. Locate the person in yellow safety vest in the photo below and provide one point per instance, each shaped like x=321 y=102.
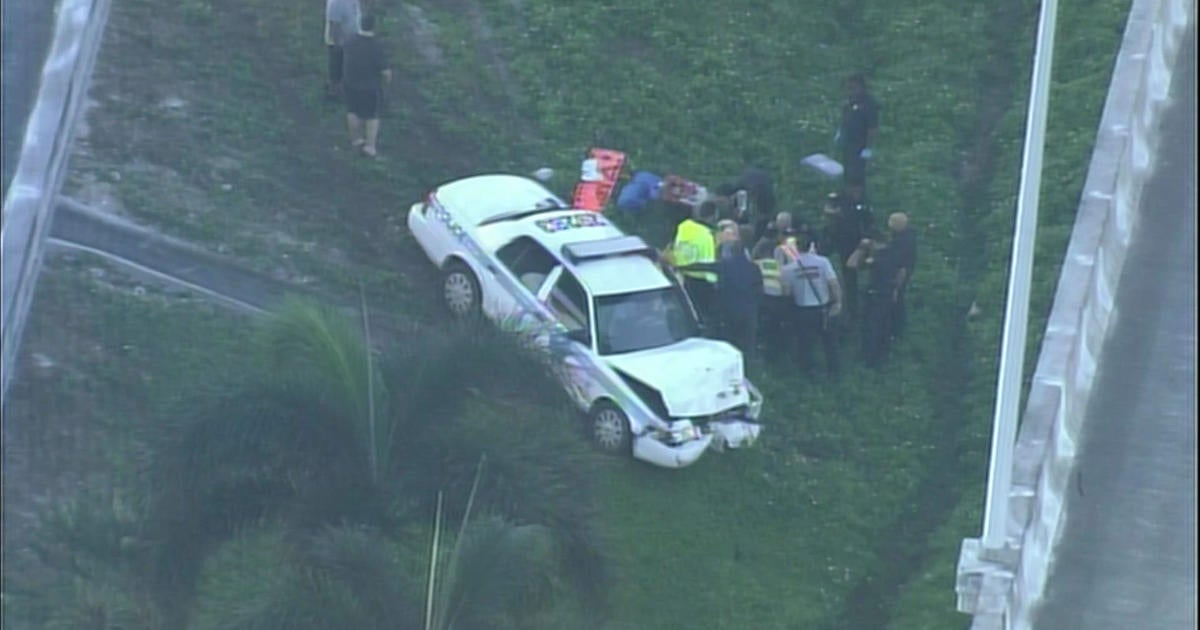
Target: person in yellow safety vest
x=694 y=243
x=776 y=305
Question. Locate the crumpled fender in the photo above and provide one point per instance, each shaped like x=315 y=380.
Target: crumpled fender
x=733 y=433
x=648 y=449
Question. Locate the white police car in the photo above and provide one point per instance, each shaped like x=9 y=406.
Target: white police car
x=623 y=333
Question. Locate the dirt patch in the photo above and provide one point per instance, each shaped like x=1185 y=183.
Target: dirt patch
x=424 y=34
x=136 y=157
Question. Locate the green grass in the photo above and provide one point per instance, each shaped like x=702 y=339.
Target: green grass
x=778 y=536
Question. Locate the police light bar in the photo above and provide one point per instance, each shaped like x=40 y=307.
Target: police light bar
x=617 y=246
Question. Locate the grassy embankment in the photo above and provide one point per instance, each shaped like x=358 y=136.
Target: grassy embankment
x=777 y=537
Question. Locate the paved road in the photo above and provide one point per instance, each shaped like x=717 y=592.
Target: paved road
x=159 y=259
x=1127 y=558
x=25 y=30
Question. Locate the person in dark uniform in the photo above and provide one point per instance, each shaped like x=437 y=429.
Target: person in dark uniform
x=739 y=291
x=857 y=132
x=882 y=260
x=904 y=243
x=849 y=220
x=759 y=192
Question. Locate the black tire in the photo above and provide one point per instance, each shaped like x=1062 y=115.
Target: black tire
x=609 y=429
x=460 y=291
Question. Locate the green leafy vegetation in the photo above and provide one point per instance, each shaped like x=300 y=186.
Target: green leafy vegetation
x=857 y=495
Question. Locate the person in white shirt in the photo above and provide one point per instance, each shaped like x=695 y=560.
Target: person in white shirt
x=341 y=23
x=817 y=299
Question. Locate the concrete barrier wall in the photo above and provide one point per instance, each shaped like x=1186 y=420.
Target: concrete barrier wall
x=1083 y=310
x=29 y=204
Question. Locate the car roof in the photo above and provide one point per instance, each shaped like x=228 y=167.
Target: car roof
x=476 y=199
x=620 y=274
x=553 y=229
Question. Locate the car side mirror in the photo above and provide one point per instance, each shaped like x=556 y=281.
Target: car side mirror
x=579 y=335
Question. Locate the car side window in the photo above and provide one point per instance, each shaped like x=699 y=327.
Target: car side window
x=569 y=303
x=528 y=261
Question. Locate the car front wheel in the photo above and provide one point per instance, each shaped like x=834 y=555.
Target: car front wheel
x=460 y=290
x=610 y=428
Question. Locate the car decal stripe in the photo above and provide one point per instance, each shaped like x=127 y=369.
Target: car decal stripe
x=533 y=320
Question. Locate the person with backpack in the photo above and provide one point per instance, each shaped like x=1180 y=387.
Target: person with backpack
x=817 y=300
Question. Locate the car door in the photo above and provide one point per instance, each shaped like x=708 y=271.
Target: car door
x=565 y=297
x=528 y=266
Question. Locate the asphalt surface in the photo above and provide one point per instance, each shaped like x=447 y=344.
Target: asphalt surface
x=1127 y=558
x=163 y=260
x=26 y=27
x=147 y=252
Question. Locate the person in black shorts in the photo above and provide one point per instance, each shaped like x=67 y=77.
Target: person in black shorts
x=364 y=73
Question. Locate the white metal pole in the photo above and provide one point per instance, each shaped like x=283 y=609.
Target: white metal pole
x=1016 y=315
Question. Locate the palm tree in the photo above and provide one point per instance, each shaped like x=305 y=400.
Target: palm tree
x=477 y=391
x=335 y=577
x=319 y=441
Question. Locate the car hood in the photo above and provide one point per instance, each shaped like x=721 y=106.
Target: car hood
x=696 y=377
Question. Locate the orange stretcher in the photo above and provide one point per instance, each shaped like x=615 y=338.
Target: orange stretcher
x=593 y=194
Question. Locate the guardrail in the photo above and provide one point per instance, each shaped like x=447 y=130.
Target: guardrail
x=29 y=204
x=1003 y=590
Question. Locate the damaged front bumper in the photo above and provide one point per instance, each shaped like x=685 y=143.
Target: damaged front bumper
x=684 y=442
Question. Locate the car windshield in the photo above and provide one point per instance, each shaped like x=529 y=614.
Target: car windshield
x=643 y=320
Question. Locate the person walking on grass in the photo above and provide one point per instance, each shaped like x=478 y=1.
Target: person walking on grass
x=342 y=18
x=364 y=74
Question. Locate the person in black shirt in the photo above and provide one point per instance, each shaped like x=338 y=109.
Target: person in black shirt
x=883 y=261
x=849 y=220
x=760 y=195
x=780 y=228
x=364 y=73
x=856 y=135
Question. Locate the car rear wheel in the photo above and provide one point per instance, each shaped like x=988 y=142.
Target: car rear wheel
x=460 y=290
x=610 y=428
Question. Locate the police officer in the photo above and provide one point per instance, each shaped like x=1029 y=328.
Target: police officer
x=849 y=219
x=694 y=243
x=817 y=299
x=882 y=290
x=856 y=135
